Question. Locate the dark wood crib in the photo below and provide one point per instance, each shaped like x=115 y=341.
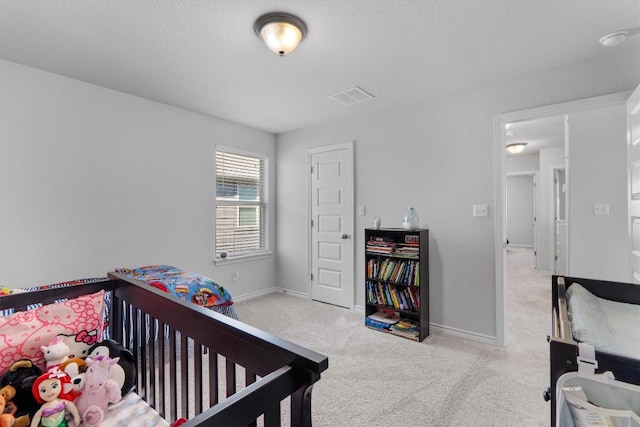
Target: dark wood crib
x=197 y=364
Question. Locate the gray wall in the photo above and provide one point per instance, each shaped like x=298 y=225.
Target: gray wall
x=597 y=174
x=437 y=155
x=520 y=210
x=93 y=179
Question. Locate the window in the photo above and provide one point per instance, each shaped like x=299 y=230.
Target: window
x=241 y=207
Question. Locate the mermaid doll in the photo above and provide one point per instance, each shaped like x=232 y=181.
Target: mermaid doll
x=54 y=391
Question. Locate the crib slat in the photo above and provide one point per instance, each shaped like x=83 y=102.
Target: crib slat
x=231 y=377
x=173 y=378
x=250 y=378
x=144 y=339
x=213 y=378
x=272 y=418
x=117 y=321
x=197 y=376
x=184 y=375
x=152 y=361
x=133 y=344
x=162 y=338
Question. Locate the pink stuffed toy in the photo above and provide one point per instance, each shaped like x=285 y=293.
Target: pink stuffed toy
x=99 y=390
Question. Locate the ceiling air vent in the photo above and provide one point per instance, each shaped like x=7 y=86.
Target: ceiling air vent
x=351 y=96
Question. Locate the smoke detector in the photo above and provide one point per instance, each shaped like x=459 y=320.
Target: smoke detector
x=614 y=39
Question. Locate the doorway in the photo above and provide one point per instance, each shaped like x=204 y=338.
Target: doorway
x=544 y=226
x=331 y=212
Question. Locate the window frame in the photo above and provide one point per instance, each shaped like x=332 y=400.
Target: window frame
x=261 y=204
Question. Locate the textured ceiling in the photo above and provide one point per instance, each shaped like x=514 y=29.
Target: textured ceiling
x=203 y=55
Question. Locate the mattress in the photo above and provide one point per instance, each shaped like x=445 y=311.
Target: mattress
x=609 y=326
x=131 y=407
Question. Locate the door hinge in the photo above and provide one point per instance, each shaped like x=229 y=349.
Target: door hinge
x=556 y=257
x=312 y=277
x=535 y=253
x=311 y=169
x=312 y=223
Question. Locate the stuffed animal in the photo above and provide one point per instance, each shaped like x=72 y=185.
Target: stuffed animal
x=75 y=368
x=80 y=343
x=53 y=391
x=99 y=390
x=15 y=387
x=55 y=353
x=125 y=372
x=6 y=418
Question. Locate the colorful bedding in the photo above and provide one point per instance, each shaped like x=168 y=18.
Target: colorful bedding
x=188 y=286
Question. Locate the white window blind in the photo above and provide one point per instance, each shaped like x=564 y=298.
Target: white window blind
x=241 y=208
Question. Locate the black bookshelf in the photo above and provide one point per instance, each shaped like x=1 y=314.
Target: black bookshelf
x=397 y=280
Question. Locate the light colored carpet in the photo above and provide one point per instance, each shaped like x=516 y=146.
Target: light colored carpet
x=377 y=379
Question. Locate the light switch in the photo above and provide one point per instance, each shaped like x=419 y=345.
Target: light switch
x=480 y=210
x=601 y=208
x=362 y=210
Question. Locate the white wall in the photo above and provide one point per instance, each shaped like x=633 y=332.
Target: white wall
x=549 y=159
x=93 y=179
x=436 y=155
x=530 y=163
x=597 y=174
x=520 y=210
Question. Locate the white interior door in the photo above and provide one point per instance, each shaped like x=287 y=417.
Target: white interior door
x=633 y=175
x=332 y=224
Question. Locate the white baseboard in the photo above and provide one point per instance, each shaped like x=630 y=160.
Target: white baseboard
x=473 y=336
x=293 y=293
x=359 y=309
x=267 y=291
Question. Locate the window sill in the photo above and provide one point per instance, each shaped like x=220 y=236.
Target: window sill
x=242 y=258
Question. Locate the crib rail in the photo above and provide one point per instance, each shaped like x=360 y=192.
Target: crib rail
x=213 y=370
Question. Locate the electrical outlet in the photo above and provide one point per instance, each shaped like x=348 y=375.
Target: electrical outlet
x=480 y=210
x=601 y=208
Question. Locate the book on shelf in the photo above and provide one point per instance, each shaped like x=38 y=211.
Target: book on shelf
x=384 y=316
x=375 y=324
x=406 y=328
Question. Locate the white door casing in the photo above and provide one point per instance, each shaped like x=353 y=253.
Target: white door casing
x=633 y=183
x=331 y=224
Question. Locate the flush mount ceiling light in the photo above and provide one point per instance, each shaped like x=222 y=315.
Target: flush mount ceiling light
x=281 y=32
x=516 y=147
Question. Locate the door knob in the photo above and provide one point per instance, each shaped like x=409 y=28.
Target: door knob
x=345 y=236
